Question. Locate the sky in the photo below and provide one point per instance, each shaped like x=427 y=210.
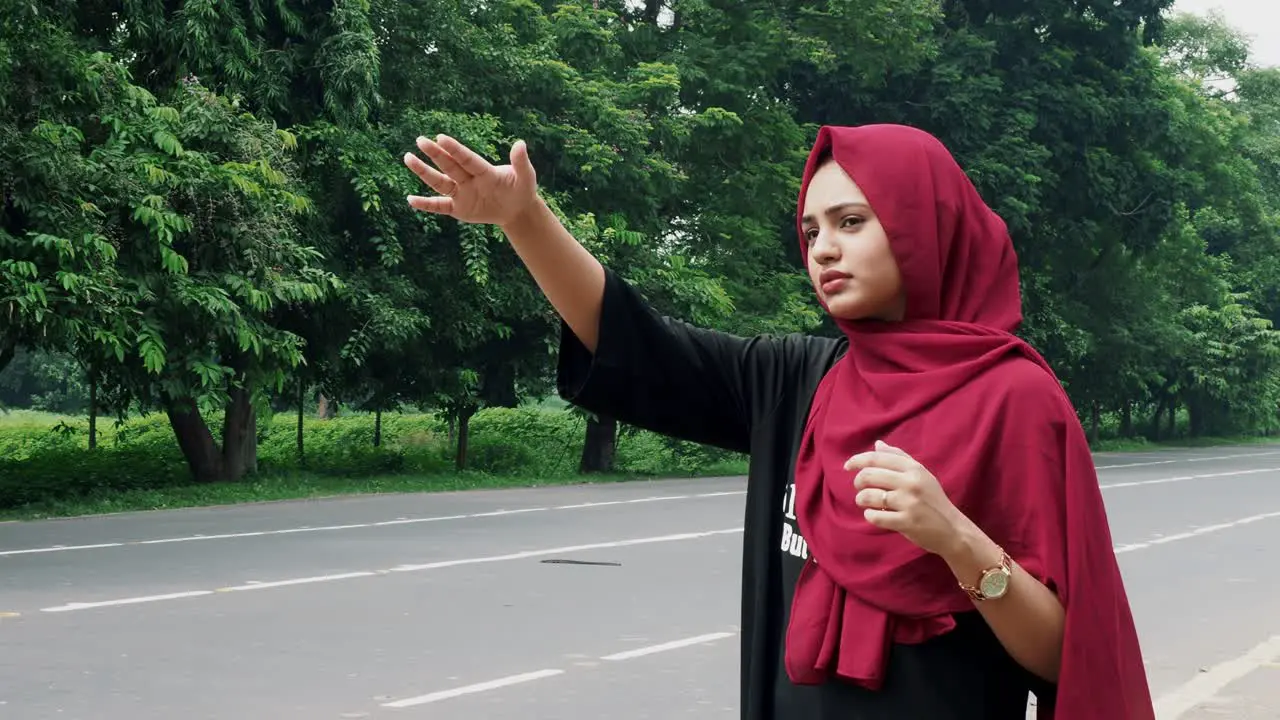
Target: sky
x=1259 y=19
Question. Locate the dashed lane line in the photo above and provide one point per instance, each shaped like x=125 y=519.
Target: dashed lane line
x=1196 y=532
x=667 y=646
x=69 y=607
x=1206 y=685
x=527 y=554
x=551 y=672
x=353 y=526
x=472 y=689
x=580 y=506
x=1149 y=463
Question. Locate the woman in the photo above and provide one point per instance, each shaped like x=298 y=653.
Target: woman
x=925 y=535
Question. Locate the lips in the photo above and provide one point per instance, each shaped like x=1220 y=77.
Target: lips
x=831 y=281
x=828 y=276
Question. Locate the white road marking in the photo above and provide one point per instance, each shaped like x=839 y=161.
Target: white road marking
x=1196 y=532
x=353 y=526
x=61 y=548
x=1183 y=478
x=564 y=550
x=664 y=647
x=500 y=513
x=257 y=585
x=69 y=607
x=1147 y=463
x=1204 y=686
x=402 y=569
x=542 y=674
x=471 y=689
x=607 y=503
x=526 y=554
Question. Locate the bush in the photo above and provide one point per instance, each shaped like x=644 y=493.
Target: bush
x=46 y=457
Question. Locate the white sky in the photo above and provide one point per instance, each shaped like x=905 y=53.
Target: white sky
x=1259 y=19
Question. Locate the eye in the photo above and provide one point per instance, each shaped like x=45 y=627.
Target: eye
x=810 y=235
x=851 y=222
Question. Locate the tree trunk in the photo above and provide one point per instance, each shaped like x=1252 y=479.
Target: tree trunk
x=1158 y=417
x=239 y=436
x=600 y=446
x=1172 y=418
x=93 y=411
x=302 y=404
x=1095 y=422
x=1126 y=420
x=1195 y=415
x=326 y=409
x=498 y=387
x=464 y=433
x=194 y=439
x=8 y=349
x=377 y=428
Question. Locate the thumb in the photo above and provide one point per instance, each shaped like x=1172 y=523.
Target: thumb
x=882 y=446
x=521 y=164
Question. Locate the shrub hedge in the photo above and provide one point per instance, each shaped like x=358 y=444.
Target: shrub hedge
x=46 y=457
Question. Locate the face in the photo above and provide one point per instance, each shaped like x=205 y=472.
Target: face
x=850 y=262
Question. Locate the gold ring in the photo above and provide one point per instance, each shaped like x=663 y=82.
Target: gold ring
x=884 y=500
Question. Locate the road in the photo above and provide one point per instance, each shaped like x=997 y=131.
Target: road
x=451 y=605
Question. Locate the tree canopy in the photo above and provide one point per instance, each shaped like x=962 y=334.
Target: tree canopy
x=204 y=203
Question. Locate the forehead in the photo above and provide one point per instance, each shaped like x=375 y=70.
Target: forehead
x=830 y=187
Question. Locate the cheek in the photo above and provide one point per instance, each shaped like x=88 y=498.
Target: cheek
x=814 y=270
x=880 y=265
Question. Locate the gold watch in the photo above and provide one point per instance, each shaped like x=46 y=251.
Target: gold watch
x=994 y=582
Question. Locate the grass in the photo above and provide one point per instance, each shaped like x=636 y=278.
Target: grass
x=522 y=449
x=1122 y=445
x=307 y=486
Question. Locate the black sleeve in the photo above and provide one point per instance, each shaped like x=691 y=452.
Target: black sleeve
x=675 y=379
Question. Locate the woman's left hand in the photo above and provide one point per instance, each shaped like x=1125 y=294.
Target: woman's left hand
x=900 y=494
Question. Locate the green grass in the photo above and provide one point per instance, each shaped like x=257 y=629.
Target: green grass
x=300 y=486
x=1123 y=445
x=46 y=470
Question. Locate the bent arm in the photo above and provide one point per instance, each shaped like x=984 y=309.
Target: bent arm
x=1029 y=621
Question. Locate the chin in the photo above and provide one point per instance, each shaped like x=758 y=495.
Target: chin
x=842 y=308
x=854 y=309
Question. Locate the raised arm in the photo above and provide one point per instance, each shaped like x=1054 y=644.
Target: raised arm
x=619 y=357
x=472 y=190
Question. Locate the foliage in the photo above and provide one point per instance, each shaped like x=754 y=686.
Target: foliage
x=203 y=213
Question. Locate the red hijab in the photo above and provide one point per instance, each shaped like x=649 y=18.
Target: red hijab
x=954 y=388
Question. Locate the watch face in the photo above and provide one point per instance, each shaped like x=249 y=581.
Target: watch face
x=994 y=584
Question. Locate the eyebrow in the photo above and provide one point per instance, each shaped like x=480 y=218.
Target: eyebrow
x=837 y=209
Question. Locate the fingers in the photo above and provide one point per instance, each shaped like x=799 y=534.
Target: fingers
x=886 y=519
x=433 y=178
x=460 y=155
x=879 y=459
x=439 y=205
x=445 y=160
x=521 y=164
x=876 y=499
x=875 y=477
x=883 y=446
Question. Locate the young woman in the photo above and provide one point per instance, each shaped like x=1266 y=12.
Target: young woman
x=925 y=535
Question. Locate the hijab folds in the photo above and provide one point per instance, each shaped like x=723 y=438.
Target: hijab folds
x=955 y=388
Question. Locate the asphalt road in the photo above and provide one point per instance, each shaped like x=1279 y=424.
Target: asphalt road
x=445 y=606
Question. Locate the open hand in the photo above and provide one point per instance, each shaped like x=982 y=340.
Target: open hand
x=471 y=189
x=900 y=494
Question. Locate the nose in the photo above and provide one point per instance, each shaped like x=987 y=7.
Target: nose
x=824 y=251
